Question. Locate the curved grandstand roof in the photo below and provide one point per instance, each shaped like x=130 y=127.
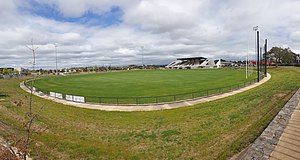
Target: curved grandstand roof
x=191 y=58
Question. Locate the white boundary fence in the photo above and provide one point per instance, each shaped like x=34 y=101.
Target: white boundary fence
x=68 y=97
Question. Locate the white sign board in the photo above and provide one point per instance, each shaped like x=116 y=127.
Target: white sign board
x=69 y=97
x=78 y=99
x=52 y=94
x=59 y=95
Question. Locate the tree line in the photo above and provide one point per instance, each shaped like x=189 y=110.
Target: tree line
x=280 y=55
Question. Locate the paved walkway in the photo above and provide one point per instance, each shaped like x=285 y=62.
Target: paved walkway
x=281 y=139
x=288 y=147
x=152 y=107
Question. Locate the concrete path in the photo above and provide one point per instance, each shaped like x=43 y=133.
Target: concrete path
x=152 y=107
x=288 y=147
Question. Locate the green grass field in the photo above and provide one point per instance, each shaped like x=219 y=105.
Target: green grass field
x=212 y=130
x=150 y=83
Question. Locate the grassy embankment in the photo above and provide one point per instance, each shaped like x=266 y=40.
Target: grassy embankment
x=213 y=130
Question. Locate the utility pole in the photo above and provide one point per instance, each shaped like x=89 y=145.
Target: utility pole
x=142 y=47
x=55 y=45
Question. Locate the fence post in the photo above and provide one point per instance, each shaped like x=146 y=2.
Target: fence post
x=156 y=99
x=174 y=97
x=136 y=100
x=206 y=92
x=117 y=101
x=192 y=95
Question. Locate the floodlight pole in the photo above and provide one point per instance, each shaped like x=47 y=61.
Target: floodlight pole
x=257 y=49
x=254 y=29
x=258 y=63
x=55 y=45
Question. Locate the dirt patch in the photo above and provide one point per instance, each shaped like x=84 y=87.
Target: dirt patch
x=5 y=153
x=279 y=95
x=282 y=95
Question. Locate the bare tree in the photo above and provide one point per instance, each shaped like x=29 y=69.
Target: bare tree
x=30 y=114
x=14 y=145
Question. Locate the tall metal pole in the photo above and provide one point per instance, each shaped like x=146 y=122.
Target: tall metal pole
x=257 y=36
x=266 y=51
x=56 y=58
x=260 y=58
x=247 y=66
x=143 y=57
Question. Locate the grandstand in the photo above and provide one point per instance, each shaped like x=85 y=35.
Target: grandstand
x=193 y=63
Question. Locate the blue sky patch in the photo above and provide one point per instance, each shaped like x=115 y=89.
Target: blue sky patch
x=112 y=17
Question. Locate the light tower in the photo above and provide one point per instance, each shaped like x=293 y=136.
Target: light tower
x=257 y=46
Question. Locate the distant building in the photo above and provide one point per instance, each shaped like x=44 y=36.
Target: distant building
x=9 y=70
x=298 y=58
x=6 y=71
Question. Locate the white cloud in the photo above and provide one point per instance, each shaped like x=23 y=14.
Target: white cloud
x=159 y=17
x=167 y=29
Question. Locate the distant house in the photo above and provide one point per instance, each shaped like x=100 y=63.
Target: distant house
x=223 y=63
x=18 y=70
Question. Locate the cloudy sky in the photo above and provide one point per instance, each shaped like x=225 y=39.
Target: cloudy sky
x=103 y=32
